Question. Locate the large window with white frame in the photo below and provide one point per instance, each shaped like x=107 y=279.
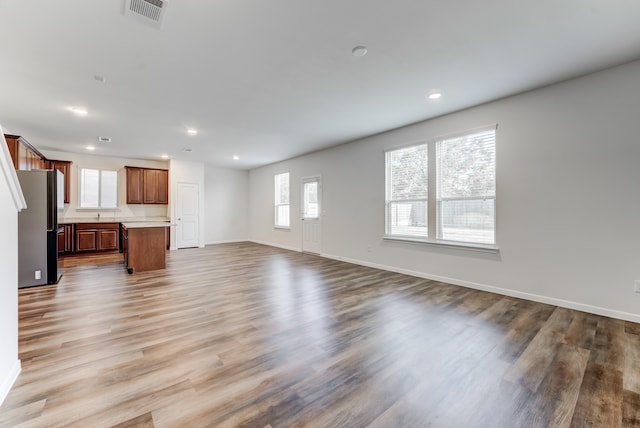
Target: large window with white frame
x=281 y=192
x=98 y=188
x=407 y=191
x=444 y=191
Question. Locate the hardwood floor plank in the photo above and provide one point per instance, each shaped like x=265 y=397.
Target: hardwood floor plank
x=532 y=366
x=631 y=410
x=527 y=318
x=582 y=330
x=22 y=413
x=609 y=343
x=142 y=421
x=631 y=378
x=243 y=334
x=601 y=397
x=554 y=403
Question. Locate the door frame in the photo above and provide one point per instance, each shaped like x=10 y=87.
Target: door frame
x=176 y=211
x=318 y=178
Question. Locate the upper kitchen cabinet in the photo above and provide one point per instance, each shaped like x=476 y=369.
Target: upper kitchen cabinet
x=65 y=168
x=147 y=185
x=134 y=185
x=25 y=157
x=156 y=186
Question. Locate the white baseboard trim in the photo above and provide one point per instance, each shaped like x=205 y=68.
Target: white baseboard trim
x=9 y=380
x=231 y=241
x=597 y=310
x=271 y=244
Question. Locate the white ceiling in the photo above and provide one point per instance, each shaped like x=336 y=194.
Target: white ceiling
x=269 y=80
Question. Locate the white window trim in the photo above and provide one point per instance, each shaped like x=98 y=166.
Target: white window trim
x=390 y=202
x=432 y=207
x=484 y=248
x=98 y=208
x=276 y=205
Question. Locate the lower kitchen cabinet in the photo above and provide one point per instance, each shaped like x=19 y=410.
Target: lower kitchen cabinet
x=97 y=237
x=107 y=240
x=65 y=239
x=144 y=245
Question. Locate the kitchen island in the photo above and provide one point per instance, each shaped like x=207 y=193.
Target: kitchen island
x=144 y=245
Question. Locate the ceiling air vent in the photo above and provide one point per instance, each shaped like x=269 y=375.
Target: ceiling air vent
x=149 y=11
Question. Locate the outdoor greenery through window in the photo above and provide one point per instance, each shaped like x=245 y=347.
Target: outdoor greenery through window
x=466 y=183
x=459 y=205
x=407 y=182
x=98 y=188
x=282 y=200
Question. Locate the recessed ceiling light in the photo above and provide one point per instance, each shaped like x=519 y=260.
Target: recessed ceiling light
x=80 y=111
x=236 y=157
x=164 y=156
x=434 y=95
x=192 y=131
x=359 y=51
x=90 y=148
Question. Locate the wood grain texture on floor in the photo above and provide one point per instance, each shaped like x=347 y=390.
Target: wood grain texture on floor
x=245 y=335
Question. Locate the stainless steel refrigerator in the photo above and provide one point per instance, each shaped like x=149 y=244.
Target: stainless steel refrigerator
x=38 y=262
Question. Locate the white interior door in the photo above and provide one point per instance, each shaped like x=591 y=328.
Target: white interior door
x=187 y=230
x=311 y=219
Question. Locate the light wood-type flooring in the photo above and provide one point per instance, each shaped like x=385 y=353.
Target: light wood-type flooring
x=245 y=335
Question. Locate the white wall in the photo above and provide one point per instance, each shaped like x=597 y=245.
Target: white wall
x=226 y=205
x=568 y=204
x=187 y=172
x=110 y=163
x=9 y=362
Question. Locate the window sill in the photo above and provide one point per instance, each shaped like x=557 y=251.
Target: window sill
x=283 y=228
x=485 y=248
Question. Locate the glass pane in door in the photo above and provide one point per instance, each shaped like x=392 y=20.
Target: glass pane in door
x=310 y=203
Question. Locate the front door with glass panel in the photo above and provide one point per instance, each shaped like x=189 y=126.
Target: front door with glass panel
x=311 y=223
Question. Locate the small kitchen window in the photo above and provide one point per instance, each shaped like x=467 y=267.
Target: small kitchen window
x=98 y=188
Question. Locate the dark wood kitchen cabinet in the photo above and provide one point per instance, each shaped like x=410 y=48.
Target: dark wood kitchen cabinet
x=156 y=186
x=144 y=246
x=134 y=185
x=25 y=157
x=97 y=237
x=65 y=239
x=147 y=185
x=65 y=168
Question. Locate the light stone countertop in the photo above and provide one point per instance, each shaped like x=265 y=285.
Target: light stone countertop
x=109 y=219
x=146 y=224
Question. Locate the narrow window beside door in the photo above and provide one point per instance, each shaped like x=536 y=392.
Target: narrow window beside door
x=282 y=200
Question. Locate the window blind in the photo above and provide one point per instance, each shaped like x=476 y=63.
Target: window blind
x=98 y=188
x=407 y=191
x=281 y=193
x=466 y=187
